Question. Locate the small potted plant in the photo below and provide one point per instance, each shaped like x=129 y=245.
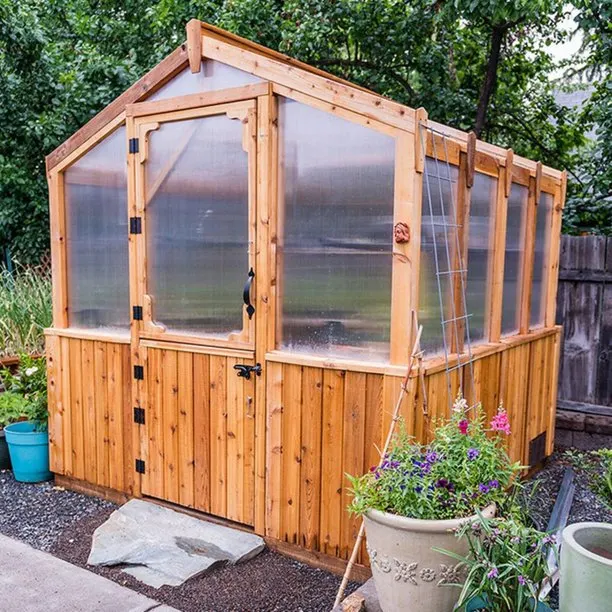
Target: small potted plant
x=507 y=567
x=419 y=496
x=28 y=440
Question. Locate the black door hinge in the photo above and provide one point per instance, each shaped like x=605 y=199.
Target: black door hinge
x=138 y=372
x=137 y=313
x=139 y=415
x=133 y=146
x=140 y=466
x=135 y=225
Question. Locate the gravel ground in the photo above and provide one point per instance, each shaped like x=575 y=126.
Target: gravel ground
x=62 y=522
x=39 y=513
x=587 y=506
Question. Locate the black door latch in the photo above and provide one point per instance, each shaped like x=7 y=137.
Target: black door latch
x=244 y=371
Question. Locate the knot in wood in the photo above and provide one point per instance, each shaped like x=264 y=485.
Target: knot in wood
x=401 y=233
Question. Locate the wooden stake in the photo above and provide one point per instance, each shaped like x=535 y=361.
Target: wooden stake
x=413 y=359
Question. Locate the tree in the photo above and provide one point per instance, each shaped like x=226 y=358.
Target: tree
x=472 y=64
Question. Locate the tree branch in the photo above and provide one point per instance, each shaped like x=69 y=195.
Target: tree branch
x=357 y=63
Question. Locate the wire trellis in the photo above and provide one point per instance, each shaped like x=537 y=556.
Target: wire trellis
x=454 y=257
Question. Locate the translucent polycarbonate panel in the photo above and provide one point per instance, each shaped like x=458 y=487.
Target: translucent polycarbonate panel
x=95 y=191
x=335 y=256
x=197 y=225
x=540 y=259
x=480 y=252
x=213 y=76
x=513 y=258
x=438 y=243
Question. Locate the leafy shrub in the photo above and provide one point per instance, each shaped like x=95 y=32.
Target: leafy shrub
x=29 y=384
x=25 y=310
x=12 y=408
x=597 y=465
x=506 y=565
x=462 y=469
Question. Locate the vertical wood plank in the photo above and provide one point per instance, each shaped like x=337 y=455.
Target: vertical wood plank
x=202 y=431
x=101 y=411
x=115 y=416
x=186 y=455
x=67 y=410
x=57 y=220
x=331 y=461
x=218 y=436
x=170 y=428
x=274 y=448
x=527 y=271
x=310 y=490
x=552 y=406
x=235 y=442
x=153 y=479
x=353 y=440
x=89 y=411
x=56 y=416
x=248 y=449
x=135 y=437
x=292 y=406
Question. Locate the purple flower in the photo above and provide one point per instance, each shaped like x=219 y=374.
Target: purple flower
x=442 y=483
x=493 y=573
x=494 y=484
x=418 y=489
x=472 y=453
x=431 y=457
x=522 y=581
x=483 y=488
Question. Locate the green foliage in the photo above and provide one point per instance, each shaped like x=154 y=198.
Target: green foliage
x=25 y=310
x=12 y=408
x=597 y=465
x=506 y=564
x=462 y=469
x=62 y=61
x=30 y=384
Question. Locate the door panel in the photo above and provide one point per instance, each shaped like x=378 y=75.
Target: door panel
x=196 y=190
x=195 y=184
x=200 y=430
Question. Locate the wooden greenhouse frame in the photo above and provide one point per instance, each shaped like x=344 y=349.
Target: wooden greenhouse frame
x=153 y=413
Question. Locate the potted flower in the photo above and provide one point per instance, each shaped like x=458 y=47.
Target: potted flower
x=507 y=567
x=419 y=496
x=28 y=440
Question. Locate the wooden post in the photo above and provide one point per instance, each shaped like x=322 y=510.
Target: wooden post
x=527 y=271
x=57 y=213
x=194 y=44
x=496 y=286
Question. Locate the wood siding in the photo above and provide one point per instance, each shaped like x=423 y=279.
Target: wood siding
x=584 y=307
x=323 y=424
x=90 y=420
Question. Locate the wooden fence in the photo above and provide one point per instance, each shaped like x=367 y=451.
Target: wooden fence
x=584 y=308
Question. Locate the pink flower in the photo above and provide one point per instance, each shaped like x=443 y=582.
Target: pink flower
x=500 y=422
x=463 y=426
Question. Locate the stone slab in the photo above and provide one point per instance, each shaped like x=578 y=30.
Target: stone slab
x=165 y=547
x=32 y=580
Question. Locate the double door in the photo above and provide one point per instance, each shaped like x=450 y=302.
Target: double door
x=193 y=277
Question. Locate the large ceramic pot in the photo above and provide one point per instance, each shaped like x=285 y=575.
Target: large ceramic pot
x=586 y=568
x=408 y=574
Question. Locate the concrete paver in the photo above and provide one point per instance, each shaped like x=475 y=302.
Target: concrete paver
x=33 y=580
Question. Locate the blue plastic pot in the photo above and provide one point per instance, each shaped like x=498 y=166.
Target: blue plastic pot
x=29 y=450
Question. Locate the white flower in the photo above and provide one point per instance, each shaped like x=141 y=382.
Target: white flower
x=460 y=405
x=30 y=371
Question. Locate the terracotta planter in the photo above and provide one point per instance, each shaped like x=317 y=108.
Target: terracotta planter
x=586 y=568
x=408 y=574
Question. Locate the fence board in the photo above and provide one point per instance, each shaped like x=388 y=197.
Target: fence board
x=584 y=308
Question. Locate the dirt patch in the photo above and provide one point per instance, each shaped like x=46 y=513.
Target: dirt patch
x=269 y=582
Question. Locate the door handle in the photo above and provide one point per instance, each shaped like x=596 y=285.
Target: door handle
x=244 y=371
x=246 y=294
